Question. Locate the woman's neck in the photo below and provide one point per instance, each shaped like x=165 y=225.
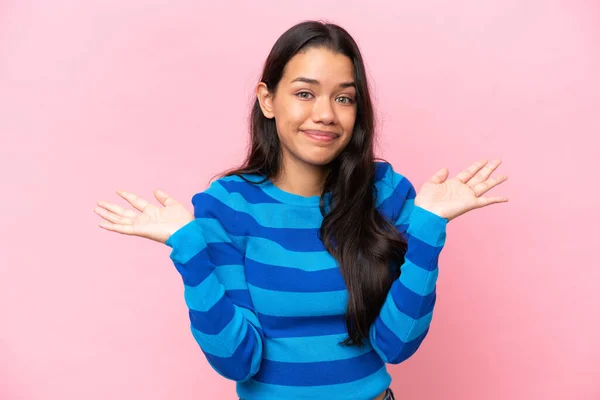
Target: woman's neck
x=300 y=178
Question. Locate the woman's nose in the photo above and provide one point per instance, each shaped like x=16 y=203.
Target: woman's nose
x=323 y=111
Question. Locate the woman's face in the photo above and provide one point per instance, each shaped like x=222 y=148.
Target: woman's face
x=314 y=106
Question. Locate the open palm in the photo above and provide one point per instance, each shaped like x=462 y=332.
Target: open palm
x=450 y=198
x=154 y=222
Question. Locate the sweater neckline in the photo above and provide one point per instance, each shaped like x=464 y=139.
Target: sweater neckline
x=268 y=187
x=291 y=198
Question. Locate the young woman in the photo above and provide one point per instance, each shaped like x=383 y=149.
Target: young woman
x=313 y=265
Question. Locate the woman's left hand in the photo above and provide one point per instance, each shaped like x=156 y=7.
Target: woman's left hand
x=450 y=198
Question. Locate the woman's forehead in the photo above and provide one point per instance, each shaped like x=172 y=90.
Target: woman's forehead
x=321 y=66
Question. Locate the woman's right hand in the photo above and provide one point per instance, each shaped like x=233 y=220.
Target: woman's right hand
x=155 y=222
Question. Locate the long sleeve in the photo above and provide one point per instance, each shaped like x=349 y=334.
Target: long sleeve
x=207 y=254
x=405 y=317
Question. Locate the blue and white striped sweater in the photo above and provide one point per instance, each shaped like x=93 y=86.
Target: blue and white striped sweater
x=267 y=301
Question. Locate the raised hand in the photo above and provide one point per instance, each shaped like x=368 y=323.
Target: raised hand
x=155 y=222
x=450 y=198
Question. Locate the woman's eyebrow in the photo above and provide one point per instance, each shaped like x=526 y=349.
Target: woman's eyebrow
x=316 y=82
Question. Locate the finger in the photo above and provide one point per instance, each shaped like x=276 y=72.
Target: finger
x=484 y=173
x=112 y=217
x=465 y=175
x=484 y=187
x=486 y=201
x=164 y=199
x=440 y=176
x=124 y=212
x=124 y=229
x=137 y=202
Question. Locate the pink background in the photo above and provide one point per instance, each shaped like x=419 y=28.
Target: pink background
x=98 y=95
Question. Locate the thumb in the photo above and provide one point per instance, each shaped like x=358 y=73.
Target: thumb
x=164 y=198
x=440 y=176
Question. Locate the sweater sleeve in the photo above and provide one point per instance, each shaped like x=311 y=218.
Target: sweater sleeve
x=207 y=253
x=405 y=317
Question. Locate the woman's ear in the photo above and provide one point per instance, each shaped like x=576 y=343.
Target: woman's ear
x=265 y=99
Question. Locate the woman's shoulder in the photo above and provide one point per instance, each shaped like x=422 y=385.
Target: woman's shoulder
x=392 y=189
x=219 y=190
x=386 y=175
x=233 y=191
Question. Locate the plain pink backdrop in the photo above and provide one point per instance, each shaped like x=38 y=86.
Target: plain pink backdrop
x=100 y=95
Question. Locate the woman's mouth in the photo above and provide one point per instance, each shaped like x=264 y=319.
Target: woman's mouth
x=321 y=136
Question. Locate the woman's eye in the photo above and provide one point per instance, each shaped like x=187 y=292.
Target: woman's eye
x=346 y=100
x=302 y=95
x=343 y=99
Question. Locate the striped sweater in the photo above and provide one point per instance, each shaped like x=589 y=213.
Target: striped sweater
x=267 y=301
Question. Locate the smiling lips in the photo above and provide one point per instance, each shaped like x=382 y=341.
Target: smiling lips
x=321 y=135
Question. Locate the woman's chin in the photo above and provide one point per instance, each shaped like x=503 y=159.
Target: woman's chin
x=315 y=155
x=320 y=160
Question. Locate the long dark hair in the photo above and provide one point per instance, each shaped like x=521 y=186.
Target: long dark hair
x=365 y=245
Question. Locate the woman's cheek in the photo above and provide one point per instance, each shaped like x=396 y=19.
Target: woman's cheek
x=298 y=111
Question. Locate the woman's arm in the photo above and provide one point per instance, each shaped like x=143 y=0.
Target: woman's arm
x=404 y=320
x=225 y=326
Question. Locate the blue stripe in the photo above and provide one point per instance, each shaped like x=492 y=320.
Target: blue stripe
x=238 y=366
x=214 y=320
x=252 y=193
x=387 y=197
x=238 y=224
x=409 y=349
x=319 y=373
x=393 y=197
x=403 y=326
x=290 y=304
x=422 y=254
x=254 y=203
x=196 y=270
x=410 y=303
x=268 y=252
x=313 y=348
x=251 y=317
x=386 y=213
x=402 y=229
x=224 y=254
x=280 y=215
x=278 y=327
x=366 y=388
x=206 y=205
x=205 y=295
x=231 y=276
x=186 y=242
x=381 y=170
x=403 y=219
x=289 y=238
x=240 y=297
x=227 y=341
x=274 y=277
x=428 y=227
x=211 y=230
x=417 y=279
x=391 y=348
